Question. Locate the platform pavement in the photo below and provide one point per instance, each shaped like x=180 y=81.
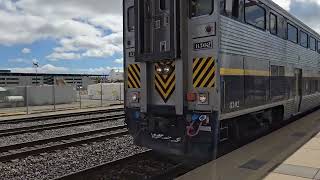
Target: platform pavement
x=303 y=164
x=290 y=153
x=67 y=111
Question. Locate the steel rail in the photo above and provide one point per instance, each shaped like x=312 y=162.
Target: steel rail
x=57 y=116
x=87 y=173
x=15 y=151
x=58 y=125
x=97 y=172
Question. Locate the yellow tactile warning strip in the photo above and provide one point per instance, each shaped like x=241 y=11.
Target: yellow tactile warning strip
x=203 y=72
x=296 y=150
x=134 y=77
x=165 y=83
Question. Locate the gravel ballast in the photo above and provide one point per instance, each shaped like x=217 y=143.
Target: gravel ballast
x=55 y=164
x=50 y=121
x=20 y=138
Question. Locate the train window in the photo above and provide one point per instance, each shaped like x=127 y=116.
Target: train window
x=163 y=4
x=318 y=46
x=303 y=39
x=255 y=15
x=235 y=8
x=201 y=7
x=273 y=24
x=281 y=71
x=274 y=70
x=131 y=19
x=307 y=87
x=282 y=27
x=292 y=33
x=230 y=7
x=277 y=71
x=312 y=43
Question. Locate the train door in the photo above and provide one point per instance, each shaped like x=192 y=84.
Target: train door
x=298 y=88
x=158 y=51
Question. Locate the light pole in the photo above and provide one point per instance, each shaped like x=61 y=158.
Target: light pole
x=101 y=89
x=119 y=86
x=36 y=65
x=54 y=93
x=80 y=88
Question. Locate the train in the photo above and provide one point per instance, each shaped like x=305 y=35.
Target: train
x=199 y=73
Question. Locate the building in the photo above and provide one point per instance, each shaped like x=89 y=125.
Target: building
x=11 y=79
x=116 y=75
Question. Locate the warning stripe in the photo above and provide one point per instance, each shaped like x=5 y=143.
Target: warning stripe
x=134 y=78
x=165 y=84
x=204 y=72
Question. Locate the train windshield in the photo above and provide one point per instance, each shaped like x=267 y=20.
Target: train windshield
x=200 y=7
x=131 y=19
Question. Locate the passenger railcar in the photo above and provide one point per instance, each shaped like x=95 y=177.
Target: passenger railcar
x=201 y=72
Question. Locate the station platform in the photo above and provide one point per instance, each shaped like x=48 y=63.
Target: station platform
x=290 y=153
x=49 y=113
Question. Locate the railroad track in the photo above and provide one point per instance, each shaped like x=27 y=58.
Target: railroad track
x=58 y=116
x=58 y=125
x=146 y=165
x=25 y=149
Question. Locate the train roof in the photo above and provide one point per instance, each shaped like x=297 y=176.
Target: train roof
x=290 y=17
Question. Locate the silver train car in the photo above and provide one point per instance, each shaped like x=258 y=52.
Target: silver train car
x=202 y=72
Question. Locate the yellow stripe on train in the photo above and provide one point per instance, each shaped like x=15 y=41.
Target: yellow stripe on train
x=242 y=72
x=204 y=72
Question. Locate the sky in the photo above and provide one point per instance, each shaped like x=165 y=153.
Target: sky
x=81 y=36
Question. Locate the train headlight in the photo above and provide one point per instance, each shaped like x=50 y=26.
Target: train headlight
x=159 y=70
x=203 y=98
x=135 y=97
x=166 y=70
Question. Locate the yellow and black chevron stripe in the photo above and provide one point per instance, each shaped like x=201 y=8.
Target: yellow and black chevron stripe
x=165 y=84
x=134 y=79
x=204 y=72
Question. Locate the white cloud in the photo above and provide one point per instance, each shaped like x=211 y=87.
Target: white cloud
x=63 y=56
x=88 y=46
x=82 y=28
x=8 y=5
x=26 y=51
x=119 y=61
x=308 y=11
x=283 y=3
x=100 y=70
x=112 y=22
x=49 y=68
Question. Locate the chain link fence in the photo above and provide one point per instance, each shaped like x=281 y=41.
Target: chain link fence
x=22 y=100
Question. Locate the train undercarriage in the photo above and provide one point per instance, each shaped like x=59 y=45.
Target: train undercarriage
x=182 y=136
